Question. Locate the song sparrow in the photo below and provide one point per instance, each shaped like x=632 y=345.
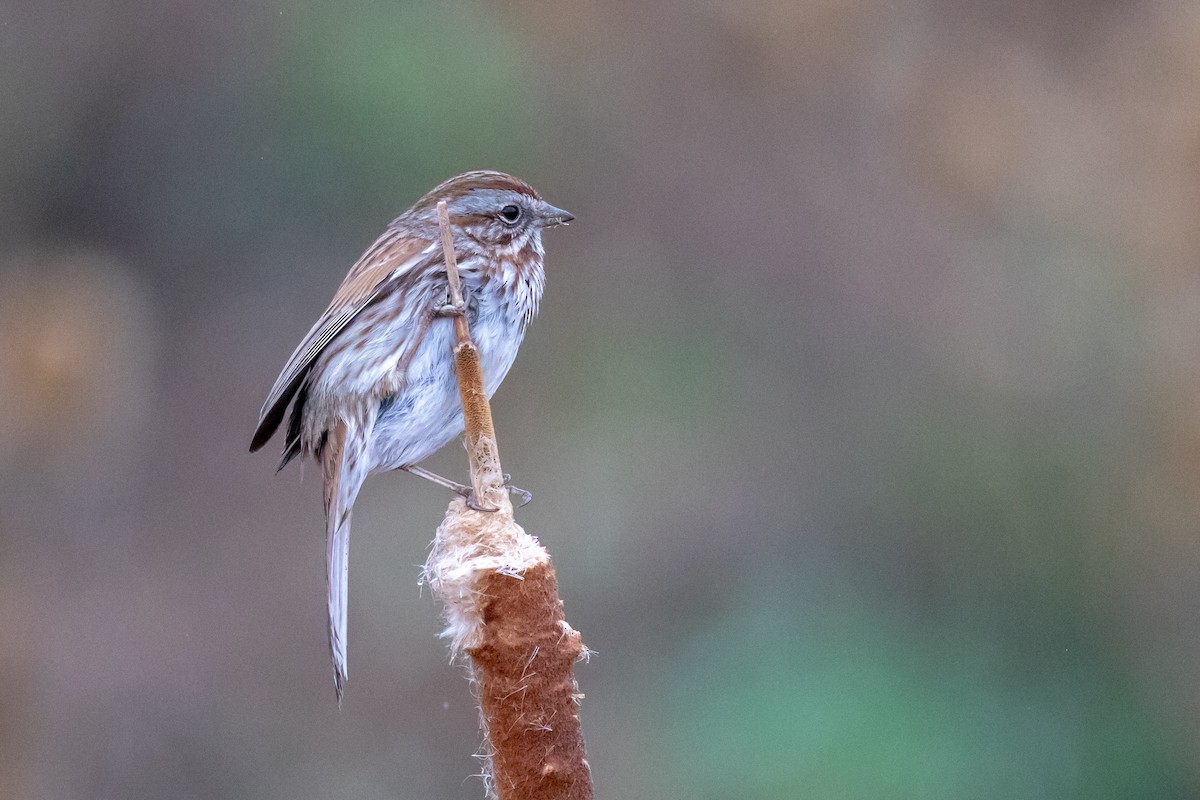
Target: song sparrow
x=373 y=383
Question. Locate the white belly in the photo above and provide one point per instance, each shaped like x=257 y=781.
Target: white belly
x=426 y=413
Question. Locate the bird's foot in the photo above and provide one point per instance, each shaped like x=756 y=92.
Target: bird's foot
x=467 y=491
x=525 y=496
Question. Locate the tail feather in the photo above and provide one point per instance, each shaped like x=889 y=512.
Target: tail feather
x=338 y=557
x=345 y=470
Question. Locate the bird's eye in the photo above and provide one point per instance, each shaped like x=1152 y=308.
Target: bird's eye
x=511 y=214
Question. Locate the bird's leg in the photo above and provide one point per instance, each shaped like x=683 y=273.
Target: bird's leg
x=421 y=472
x=453 y=486
x=464 y=490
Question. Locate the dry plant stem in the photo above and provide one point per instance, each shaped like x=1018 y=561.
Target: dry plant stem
x=487 y=479
x=502 y=608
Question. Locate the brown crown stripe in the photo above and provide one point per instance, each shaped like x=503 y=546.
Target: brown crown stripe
x=456 y=187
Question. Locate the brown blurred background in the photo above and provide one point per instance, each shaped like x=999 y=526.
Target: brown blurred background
x=861 y=416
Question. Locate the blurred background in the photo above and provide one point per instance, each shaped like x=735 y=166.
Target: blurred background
x=861 y=415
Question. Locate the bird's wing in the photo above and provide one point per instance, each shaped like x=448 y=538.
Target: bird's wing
x=393 y=256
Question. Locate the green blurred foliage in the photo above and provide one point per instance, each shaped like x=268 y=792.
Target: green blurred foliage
x=860 y=413
x=819 y=693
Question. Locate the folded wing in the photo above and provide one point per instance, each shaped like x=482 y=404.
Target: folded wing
x=388 y=261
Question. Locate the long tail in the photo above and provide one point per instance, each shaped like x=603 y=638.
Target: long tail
x=345 y=469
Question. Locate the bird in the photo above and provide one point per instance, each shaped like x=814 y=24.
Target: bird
x=372 y=386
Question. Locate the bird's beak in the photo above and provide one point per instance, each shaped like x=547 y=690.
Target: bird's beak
x=555 y=216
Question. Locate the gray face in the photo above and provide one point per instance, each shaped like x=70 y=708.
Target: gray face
x=503 y=216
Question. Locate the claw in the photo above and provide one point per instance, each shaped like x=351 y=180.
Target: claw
x=471 y=504
x=526 y=496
